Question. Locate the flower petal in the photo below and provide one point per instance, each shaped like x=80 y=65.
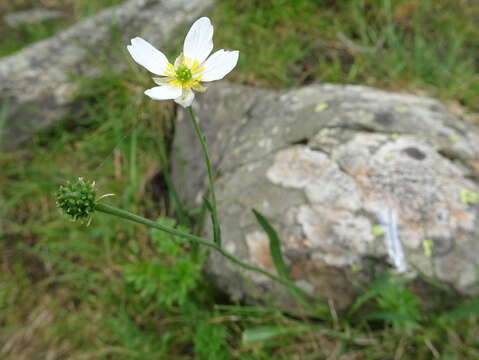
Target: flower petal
x=199 y=40
x=147 y=56
x=164 y=92
x=219 y=64
x=186 y=99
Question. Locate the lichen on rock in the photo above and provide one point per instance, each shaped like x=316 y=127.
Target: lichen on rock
x=328 y=179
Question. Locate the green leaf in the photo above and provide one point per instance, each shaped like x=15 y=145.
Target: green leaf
x=463 y=311
x=208 y=204
x=396 y=303
x=263 y=333
x=274 y=245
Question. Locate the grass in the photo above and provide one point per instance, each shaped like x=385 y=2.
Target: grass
x=114 y=290
x=423 y=46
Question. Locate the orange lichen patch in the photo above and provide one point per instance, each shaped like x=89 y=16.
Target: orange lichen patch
x=258 y=246
x=465 y=219
x=360 y=171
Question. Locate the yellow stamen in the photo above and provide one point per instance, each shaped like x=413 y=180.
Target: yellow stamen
x=170 y=70
x=176 y=74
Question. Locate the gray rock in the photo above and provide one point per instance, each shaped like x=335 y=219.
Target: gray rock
x=31 y=16
x=354 y=180
x=35 y=83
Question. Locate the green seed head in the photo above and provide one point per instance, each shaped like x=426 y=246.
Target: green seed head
x=77 y=199
x=183 y=74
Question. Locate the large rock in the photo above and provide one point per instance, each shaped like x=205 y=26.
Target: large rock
x=354 y=179
x=35 y=83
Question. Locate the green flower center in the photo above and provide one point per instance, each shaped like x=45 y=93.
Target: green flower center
x=183 y=74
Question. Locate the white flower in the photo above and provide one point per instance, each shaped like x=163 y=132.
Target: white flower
x=192 y=67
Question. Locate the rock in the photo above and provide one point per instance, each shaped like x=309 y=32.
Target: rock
x=31 y=16
x=355 y=180
x=35 y=84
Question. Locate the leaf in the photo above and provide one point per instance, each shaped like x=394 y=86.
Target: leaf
x=463 y=311
x=208 y=204
x=263 y=333
x=274 y=245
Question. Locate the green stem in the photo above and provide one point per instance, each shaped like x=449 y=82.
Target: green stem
x=141 y=220
x=204 y=146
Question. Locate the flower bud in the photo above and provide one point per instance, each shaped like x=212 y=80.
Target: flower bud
x=77 y=199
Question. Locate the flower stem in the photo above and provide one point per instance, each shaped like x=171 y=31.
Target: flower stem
x=108 y=209
x=204 y=146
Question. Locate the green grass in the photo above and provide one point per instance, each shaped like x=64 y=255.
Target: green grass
x=27 y=34
x=115 y=290
x=418 y=45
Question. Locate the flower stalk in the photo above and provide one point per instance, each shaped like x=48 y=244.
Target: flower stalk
x=111 y=210
x=77 y=200
x=211 y=181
